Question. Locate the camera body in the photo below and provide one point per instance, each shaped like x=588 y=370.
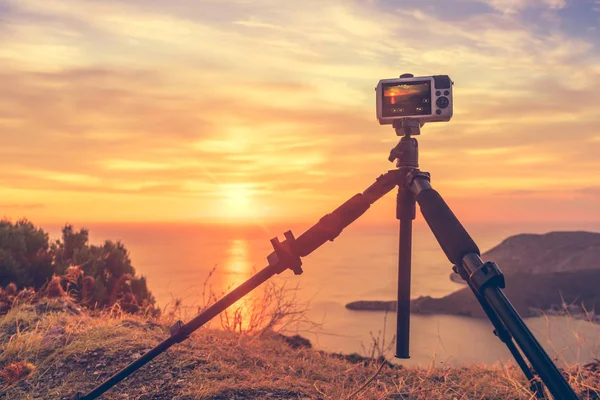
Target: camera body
x=425 y=98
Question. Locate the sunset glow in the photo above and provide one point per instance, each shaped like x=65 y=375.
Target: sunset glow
x=238 y=202
x=232 y=111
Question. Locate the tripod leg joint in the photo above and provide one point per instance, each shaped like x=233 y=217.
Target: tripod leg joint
x=418 y=181
x=283 y=256
x=487 y=275
x=177 y=333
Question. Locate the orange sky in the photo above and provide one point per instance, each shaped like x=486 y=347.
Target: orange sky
x=233 y=110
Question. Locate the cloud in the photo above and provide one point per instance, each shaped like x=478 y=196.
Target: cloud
x=514 y=6
x=121 y=137
x=171 y=101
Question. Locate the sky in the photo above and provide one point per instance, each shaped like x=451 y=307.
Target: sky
x=239 y=110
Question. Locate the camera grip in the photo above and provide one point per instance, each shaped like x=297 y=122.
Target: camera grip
x=447 y=229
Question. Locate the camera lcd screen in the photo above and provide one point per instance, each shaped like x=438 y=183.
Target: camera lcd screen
x=406 y=99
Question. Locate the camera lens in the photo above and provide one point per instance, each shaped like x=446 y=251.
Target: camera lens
x=442 y=102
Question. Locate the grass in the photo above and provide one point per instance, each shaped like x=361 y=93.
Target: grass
x=47 y=352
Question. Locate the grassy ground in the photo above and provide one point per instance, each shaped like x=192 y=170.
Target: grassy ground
x=51 y=350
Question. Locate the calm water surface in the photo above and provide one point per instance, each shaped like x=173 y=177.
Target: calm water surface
x=358 y=265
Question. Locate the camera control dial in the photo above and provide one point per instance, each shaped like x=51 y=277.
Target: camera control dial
x=442 y=102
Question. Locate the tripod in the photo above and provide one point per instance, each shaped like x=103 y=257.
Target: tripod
x=406 y=154
x=484 y=279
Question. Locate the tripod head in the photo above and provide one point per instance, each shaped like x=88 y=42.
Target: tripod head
x=406 y=152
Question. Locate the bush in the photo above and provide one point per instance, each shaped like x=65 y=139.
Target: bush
x=95 y=275
x=25 y=258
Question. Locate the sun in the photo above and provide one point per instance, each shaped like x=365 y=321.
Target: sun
x=237 y=201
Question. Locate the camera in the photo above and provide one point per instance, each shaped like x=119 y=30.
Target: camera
x=425 y=98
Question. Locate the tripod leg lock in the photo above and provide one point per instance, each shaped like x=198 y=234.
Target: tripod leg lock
x=284 y=256
x=416 y=174
x=485 y=276
x=176 y=333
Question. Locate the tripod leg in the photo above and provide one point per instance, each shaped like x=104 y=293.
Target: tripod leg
x=286 y=256
x=180 y=332
x=487 y=279
x=505 y=337
x=280 y=260
x=405 y=212
x=542 y=363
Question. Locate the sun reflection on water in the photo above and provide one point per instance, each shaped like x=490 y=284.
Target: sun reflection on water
x=238 y=269
x=238 y=264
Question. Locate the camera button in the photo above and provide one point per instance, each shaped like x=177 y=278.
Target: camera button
x=446 y=93
x=442 y=102
x=438 y=112
x=438 y=93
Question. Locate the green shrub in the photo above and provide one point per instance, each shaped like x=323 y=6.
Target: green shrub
x=25 y=258
x=29 y=260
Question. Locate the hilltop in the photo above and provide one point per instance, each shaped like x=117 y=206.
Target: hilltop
x=535 y=254
x=49 y=351
x=557 y=272
x=531 y=295
x=549 y=272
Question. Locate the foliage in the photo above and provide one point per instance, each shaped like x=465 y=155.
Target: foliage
x=98 y=276
x=25 y=258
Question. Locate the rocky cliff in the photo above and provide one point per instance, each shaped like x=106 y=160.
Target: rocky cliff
x=539 y=254
x=550 y=272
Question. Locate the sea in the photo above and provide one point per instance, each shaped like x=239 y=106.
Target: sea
x=185 y=263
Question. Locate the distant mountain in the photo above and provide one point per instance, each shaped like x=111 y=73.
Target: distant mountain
x=528 y=293
x=543 y=273
x=538 y=254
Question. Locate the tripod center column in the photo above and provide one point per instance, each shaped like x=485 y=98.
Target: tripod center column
x=406 y=153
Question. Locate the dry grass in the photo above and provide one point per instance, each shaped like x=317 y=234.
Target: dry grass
x=271 y=307
x=76 y=352
x=52 y=349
